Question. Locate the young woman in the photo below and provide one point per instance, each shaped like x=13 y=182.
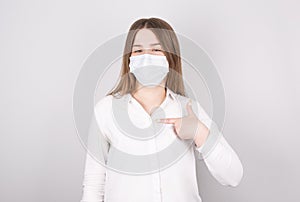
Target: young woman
x=151 y=88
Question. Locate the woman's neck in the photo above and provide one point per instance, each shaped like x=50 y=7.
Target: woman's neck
x=150 y=97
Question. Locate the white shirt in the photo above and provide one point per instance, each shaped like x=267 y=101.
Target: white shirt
x=176 y=183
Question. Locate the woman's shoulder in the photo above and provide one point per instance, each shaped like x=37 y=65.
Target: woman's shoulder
x=104 y=103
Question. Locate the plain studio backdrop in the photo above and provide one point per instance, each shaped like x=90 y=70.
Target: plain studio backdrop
x=253 y=43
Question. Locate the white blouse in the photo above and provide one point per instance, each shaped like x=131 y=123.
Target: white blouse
x=123 y=168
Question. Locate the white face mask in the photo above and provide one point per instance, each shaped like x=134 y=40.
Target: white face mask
x=149 y=69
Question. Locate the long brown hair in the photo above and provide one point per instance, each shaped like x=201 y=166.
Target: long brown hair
x=167 y=37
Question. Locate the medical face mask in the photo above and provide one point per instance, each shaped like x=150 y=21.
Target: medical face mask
x=149 y=69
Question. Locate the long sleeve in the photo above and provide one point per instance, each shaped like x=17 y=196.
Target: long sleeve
x=219 y=157
x=224 y=164
x=96 y=156
x=94 y=181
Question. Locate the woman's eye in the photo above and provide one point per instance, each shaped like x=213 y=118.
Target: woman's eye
x=136 y=51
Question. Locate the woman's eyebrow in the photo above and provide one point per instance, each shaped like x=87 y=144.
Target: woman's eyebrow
x=153 y=44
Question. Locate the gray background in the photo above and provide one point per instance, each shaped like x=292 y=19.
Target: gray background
x=44 y=43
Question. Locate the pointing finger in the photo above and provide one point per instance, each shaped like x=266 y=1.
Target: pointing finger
x=167 y=120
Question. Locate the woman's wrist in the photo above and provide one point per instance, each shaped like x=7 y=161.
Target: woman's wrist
x=201 y=135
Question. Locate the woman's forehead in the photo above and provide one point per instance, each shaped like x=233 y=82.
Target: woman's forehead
x=145 y=37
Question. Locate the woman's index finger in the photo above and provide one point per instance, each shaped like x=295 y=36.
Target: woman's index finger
x=167 y=120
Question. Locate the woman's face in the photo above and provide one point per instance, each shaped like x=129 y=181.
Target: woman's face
x=146 y=42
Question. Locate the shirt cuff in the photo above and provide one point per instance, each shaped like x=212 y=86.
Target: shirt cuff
x=211 y=141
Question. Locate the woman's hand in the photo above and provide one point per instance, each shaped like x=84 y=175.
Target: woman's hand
x=188 y=127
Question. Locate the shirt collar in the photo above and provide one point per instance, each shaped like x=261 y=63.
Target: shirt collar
x=169 y=94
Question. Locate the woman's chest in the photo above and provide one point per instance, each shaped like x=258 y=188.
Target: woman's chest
x=141 y=134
